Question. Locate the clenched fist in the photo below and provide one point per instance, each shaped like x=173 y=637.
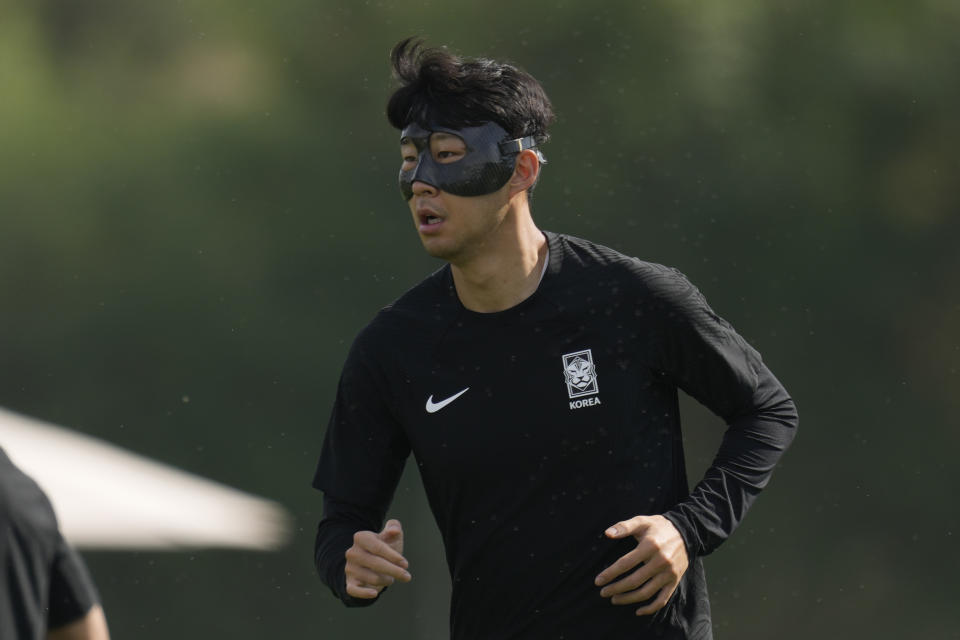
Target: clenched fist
x=375 y=561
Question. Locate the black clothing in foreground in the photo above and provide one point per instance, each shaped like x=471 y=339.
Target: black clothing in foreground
x=537 y=427
x=45 y=584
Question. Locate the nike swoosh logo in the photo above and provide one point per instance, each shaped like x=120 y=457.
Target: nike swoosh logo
x=433 y=407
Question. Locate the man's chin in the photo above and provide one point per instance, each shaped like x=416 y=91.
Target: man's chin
x=436 y=249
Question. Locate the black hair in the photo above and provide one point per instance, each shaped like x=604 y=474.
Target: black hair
x=440 y=88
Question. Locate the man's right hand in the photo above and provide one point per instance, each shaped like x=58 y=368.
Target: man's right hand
x=375 y=561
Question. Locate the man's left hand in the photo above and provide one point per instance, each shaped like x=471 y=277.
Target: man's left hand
x=654 y=568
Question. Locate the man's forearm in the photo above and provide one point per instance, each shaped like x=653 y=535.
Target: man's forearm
x=334 y=536
x=92 y=626
x=751 y=448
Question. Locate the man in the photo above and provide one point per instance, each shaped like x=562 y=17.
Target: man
x=534 y=378
x=46 y=591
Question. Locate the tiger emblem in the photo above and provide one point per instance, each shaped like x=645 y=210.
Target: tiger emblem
x=580 y=373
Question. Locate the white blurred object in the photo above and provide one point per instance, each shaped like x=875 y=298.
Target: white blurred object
x=109 y=498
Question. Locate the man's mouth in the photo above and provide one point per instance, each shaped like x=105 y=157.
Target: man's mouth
x=429 y=219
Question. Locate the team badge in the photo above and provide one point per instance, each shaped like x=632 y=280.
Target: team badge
x=580 y=374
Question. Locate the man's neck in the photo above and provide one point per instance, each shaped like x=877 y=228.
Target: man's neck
x=507 y=270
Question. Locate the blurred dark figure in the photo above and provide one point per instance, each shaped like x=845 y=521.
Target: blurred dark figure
x=46 y=591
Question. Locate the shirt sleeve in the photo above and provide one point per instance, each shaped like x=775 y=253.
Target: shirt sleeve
x=363 y=456
x=703 y=355
x=44 y=582
x=72 y=592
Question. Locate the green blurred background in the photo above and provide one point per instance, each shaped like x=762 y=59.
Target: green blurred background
x=199 y=210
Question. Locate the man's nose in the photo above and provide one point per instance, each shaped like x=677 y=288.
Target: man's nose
x=421 y=188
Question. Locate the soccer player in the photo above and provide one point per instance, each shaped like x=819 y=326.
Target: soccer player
x=46 y=592
x=534 y=378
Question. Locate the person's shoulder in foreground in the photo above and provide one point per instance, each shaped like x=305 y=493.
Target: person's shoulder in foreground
x=45 y=589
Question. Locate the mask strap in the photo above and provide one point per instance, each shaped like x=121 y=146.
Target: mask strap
x=517 y=145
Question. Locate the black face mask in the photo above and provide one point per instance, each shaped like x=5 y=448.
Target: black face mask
x=486 y=166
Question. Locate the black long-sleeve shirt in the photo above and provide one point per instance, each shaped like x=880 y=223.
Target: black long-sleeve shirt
x=537 y=427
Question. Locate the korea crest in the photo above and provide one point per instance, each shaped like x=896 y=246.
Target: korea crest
x=580 y=373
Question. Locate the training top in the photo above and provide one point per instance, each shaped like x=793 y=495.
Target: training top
x=43 y=582
x=536 y=428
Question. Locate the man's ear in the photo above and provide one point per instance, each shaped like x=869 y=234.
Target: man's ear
x=525 y=171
